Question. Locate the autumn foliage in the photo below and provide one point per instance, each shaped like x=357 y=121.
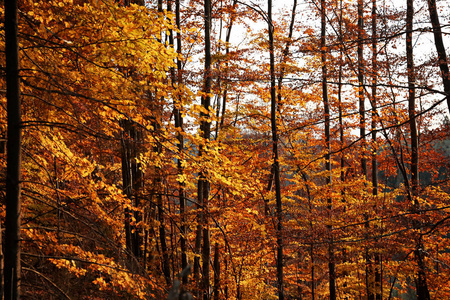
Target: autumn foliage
x=115 y=154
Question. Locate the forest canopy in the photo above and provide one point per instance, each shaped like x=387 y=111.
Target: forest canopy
x=187 y=149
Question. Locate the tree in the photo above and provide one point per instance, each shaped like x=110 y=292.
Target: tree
x=378 y=285
x=440 y=48
x=12 y=268
x=276 y=163
x=421 y=282
x=323 y=54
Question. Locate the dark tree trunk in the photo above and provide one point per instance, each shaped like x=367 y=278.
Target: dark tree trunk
x=225 y=90
x=362 y=118
x=323 y=55
x=341 y=133
x=132 y=183
x=216 y=272
x=362 y=130
x=179 y=125
x=12 y=220
x=421 y=282
x=412 y=99
x=162 y=230
x=203 y=185
x=313 y=279
x=1 y=265
x=440 y=48
x=276 y=166
x=421 y=279
x=378 y=283
x=341 y=122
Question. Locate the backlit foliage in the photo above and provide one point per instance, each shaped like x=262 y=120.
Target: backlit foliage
x=100 y=90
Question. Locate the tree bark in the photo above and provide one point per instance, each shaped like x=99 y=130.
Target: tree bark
x=412 y=99
x=225 y=90
x=162 y=230
x=216 y=272
x=421 y=282
x=362 y=130
x=276 y=166
x=203 y=184
x=341 y=133
x=378 y=283
x=179 y=125
x=13 y=201
x=362 y=118
x=326 y=105
x=132 y=182
x=440 y=48
x=1 y=266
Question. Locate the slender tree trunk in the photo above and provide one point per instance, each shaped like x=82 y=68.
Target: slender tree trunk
x=132 y=184
x=378 y=283
x=421 y=282
x=313 y=272
x=13 y=203
x=216 y=272
x=132 y=181
x=374 y=98
x=276 y=166
x=226 y=282
x=1 y=265
x=126 y=182
x=412 y=98
x=276 y=107
x=362 y=124
x=323 y=54
x=203 y=184
x=225 y=90
x=286 y=53
x=440 y=48
x=362 y=118
x=177 y=78
x=341 y=122
x=162 y=230
x=341 y=135
x=179 y=126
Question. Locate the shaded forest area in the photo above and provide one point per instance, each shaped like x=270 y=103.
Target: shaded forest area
x=294 y=153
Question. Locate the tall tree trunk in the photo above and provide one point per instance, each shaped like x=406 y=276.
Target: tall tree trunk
x=126 y=182
x=203 y=185
x=177 y=79
x=412 y=98
x=313 y=272
x=362 y=118
x=341 y=133
x=276 y=166
x=225 y=90
x=165 y=262
x=362 y=130
x=341 y=122
x=378 y=283
x=286 y=53
x=132 y=182
x=13 y=203
x=216 y=272
x=179 y=126
x=323 y=54
x=1 y=265
x=421 y=282
x=440 y=48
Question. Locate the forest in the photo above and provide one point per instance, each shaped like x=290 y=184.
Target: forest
x=228 y=149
